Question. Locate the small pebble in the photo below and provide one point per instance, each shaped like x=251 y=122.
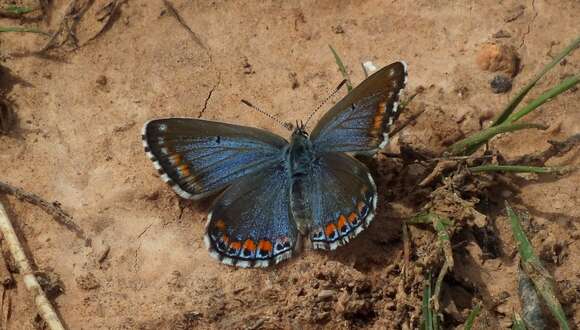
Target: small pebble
x=495 y=57
x=500 y=84
x=102 y=80
x=338 y=29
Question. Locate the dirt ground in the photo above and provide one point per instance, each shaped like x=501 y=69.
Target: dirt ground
x=81 y=108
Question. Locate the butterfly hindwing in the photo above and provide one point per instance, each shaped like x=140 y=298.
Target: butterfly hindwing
x=359 y=122
x=250 y=224
x=199 y=157
x=343 y=199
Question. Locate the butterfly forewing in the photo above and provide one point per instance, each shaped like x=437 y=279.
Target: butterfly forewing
x=198 y=157
x=359 y=123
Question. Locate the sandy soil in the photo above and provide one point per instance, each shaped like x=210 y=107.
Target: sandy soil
x=78 y=142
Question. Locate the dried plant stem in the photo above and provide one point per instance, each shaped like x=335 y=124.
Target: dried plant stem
x=44 y=306
x=50 y=208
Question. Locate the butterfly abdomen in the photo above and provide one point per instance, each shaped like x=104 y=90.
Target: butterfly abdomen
x=300 y=159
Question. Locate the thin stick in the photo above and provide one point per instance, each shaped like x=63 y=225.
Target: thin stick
x=50 y=208
x=5 y=275
x=408 y=121
x=180 y=20
x=111 y=11
x=44 y=306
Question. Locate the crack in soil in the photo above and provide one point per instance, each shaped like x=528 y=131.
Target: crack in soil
x=530 y=24
x=209 y=95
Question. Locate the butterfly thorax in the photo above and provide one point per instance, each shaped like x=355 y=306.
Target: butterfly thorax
x=300 y=159
x=300 y=153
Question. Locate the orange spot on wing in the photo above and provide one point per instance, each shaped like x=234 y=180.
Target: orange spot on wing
x=379 y=118
x=360 y=206
x=352 y=217
x=236 y=245
x=184 y=170
x=225 y=239
x=330 y=229
x=265 y=245
x=250 y=245
x=175 y=159
x=341 y=221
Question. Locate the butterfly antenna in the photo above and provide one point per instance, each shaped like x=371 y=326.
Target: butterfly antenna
x=287 y=126
x=336 y=90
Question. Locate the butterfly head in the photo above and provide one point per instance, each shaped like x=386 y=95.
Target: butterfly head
x=300 y=131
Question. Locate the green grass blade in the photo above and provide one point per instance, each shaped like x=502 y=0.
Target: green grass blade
x=427 y=322
x=521 y=169
x=532 y=265
x=518 y=322
x=470 y=144
x=472 y=316
x=341 y=68
x=546 y=96
x=524 y=245
x=16 y=10
x=524 y=91
x=21 y=29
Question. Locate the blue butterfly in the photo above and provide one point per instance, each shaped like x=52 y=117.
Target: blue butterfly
x=274 y=193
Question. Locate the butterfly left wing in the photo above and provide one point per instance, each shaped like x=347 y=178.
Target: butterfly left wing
x=359 y=122
x=199 y=157
x=250 y=224
x=343 y=197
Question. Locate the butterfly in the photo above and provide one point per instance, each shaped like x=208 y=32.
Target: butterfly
x=275 y=193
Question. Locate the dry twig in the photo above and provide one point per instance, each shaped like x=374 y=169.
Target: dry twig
x=110 y=12
x=179 y=19
x=44 y=306
x=50 y=208
x=67 y=27
x=5 y=275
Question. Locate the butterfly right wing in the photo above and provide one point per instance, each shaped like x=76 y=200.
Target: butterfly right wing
x=250 y=224
x=360 y=122
x=343 y=198
x=198 y=157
